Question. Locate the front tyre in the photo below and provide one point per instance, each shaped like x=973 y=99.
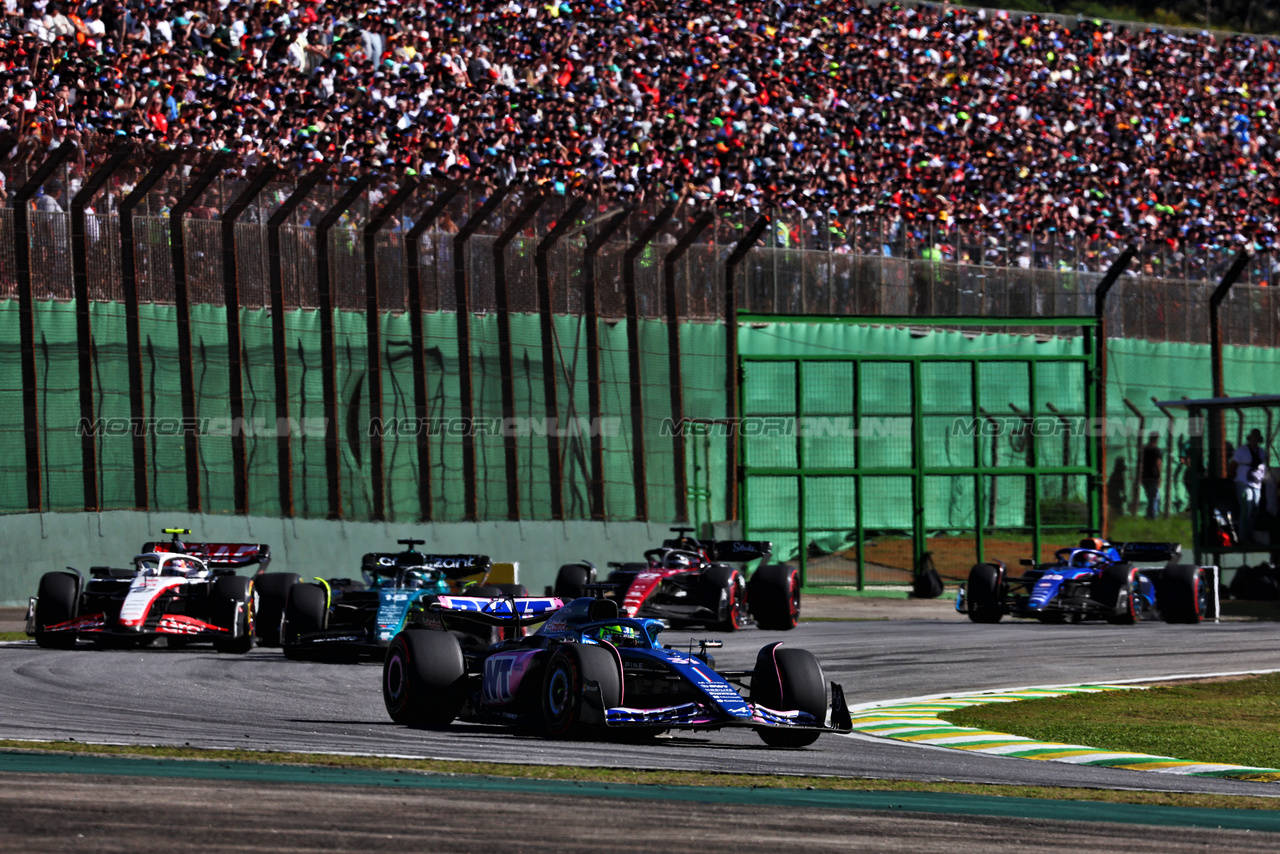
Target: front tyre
x=1117 y=589
x=424 y=680
x=273 y=596
x=1183 y=594
x=231 y=604
x=58 y=600
x=785 y=680
x=724 y=593
x=984 y=593
x=774 y=597
x=306 y=612
x=567 y=709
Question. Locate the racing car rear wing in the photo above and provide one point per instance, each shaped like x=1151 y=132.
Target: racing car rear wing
x=509 y=611
x=452 y=566
x=1148 y=552
x=217 y=555
x=733 y=551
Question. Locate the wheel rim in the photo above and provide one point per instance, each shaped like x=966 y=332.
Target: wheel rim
x=395 y=677
x=1201 y=598
x=737 y=605
x=794 y=604
x=559 y=693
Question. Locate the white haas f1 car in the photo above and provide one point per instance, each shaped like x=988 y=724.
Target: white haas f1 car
x=588 y=670
x=692 y=582
x=187 y=593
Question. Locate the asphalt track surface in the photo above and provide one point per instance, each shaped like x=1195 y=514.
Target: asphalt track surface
x=203 y=699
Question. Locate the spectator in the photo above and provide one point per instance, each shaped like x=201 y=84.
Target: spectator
x=1115 y=488
x=1152 y=461
x=1250 y=462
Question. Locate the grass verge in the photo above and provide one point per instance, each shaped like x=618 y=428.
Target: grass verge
x=1229 y=720
x=652 y=778
x=13 y=636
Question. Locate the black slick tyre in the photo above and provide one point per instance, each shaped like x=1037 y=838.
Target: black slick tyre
x=1117 y=583
x=567 y=710
x=571 y=582
x=273 y=594
x=773 y=595
x=231 y=605
x=785 y=680
x=984 y=593
x=306 y=612
x=1182 y=594
x=58 y=601
x=424 y=678
x=724 y=593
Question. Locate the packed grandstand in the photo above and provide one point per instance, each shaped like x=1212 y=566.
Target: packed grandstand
x=928 y=117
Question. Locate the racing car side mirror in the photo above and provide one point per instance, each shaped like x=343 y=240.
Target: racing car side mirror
x=1026 y=561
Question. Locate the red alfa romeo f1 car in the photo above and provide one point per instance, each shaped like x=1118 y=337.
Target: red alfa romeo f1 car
x=692 y=582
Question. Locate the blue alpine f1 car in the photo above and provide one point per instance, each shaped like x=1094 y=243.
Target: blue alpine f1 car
x=1094 y=581
x=588 y=669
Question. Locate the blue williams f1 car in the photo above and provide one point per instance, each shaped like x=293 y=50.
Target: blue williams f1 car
x=343 y=617
x=588 y=669
x=1095 y=581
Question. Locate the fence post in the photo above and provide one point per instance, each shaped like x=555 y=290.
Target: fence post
x=328 y=369
x=507 y=379
x=462 y=298
x=546 y=318
x=633 y=357
x=231 y=299
x=1112 y=275
x=674 y=379
x=589 y=297
x=279 y=347
x=27 y=318
x=1217 y=437
x=84 y=324
x=731 y=369
x=373 y=319
x=182 y=304
x=418 y=344
x=133 y=332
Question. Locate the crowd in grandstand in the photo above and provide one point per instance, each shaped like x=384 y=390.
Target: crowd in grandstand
x=929 y=118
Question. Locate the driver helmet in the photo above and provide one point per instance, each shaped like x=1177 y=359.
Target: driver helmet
x=618 y=635
x=676 y=560
x=414 y=580
x=1086 y=558
x=182 y=567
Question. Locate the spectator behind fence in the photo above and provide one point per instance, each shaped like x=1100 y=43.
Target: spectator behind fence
x=1152 y=460
x=1250 y=463
x=874 y=124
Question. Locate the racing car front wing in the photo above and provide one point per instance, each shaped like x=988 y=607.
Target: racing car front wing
x=707 y=716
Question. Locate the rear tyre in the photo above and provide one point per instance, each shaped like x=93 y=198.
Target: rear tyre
x=724 y=593
x=306 y=612
x=984 y=593
x=1118 y=582
x=1182 y=594
x=774 y=597
x=424 y=678
x=273 y=595
x=566 y=710
x=784 y=680
x=231 y=602
x=59 y=601
x=571 y=581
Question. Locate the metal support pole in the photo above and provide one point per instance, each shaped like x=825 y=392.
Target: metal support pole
x=133 y=331
x=550 y=364
x=591 y=300
x=1137 y=453
x=462 y=299
x=231 y=298
x=279 y=347
x=732 y=371
x=507 y=379
x=1113 y=274
x=328 y=367
x=638 y=474
x=373 y=319
x=182 y=303
x=27 y=318
x=675 y=381
x=418 y=344
x=1217 y=437
x=84 y=324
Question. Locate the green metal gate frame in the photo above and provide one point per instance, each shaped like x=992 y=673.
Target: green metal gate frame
x=918 y=470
